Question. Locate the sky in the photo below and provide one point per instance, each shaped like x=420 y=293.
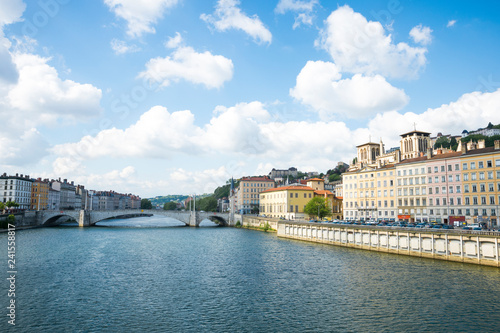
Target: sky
x=159 y=97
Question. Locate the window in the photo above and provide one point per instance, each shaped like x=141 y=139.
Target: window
x=296 y=195
x=467 y=211
x=437 y=201
x=443 y=179
x=464 y=166
x=457 y=178
x=466 y=188
x=482 y=187
x=467 y=200
x=457 y=167
x=489 y=164
x=459 y=202
x=430 y=201
x=450 y=189
x=492 y=200
x=443 y=189
x=291 y=195
x=474 y=200
x=473 y=176
x=429 y=170
x=497 y=163
x=474 y=188
x=472 y=165
x=490 y=174
x=491 y=187
x=436 y=169
x=466 y=177
x=481 y=176
x=449 y=167
x=442 y=168
x=430 y=180
x=476 y=211
x=436 y=179
x=451 y=201
x=430 y=190
x=436 y=190
x=480 y=164
x=483 y=200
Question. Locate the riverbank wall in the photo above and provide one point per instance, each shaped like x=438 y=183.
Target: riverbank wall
x=474 y=247
x=257 y=222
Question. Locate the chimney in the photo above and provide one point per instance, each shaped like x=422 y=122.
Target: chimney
x=481 y=144
x=439 y=152
x=464 y=148
x=497 y=144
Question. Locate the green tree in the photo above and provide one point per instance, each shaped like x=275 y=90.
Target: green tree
x=442 y=142
x=453 y=144
x=334 y=177
x=10 y=204
x=146 y=204
x=208 y=204
x=318 y=206
x=2 y=206
x=170 y=205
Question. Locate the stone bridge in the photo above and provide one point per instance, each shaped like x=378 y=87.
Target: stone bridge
x=87 y=218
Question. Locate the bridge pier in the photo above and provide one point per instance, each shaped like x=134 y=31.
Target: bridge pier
x=194 y=219
x=84 y=219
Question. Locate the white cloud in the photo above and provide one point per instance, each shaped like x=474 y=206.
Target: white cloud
x=140 y=15
x=471 y=111
x=227 y=16
x=303 y=9
x=187 y=64
x=451 y=23
x=360 y=46
x=121 y=47
x=11 y=11
x=174 y=42
x=42 y=97
x=20 y=148
x=320 y=85
x=421 y=35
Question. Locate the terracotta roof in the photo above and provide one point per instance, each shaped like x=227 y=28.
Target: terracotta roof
x=481 y=151
x=315 y=179
x=323 y=192
x=446 y=155
x=286 y=188
x=415 y=159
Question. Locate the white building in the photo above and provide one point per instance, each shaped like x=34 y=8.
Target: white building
x=16 y=189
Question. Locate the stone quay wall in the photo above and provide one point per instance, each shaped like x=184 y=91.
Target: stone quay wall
x=475 y=247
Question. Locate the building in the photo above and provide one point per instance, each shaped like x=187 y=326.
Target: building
x=283 y=173
x=16 y=189
x=247 y=193
x=481 y=185
x=40 y=194
x=411 y=177
x=290 y=201
x=54 y=198
x=413 y=143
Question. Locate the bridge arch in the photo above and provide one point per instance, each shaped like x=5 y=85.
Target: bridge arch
x=57 y=220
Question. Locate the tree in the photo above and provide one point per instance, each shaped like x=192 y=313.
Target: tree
x=2 y=206
x=318 y=206
x=10 y=204
x=208 y=204
x=146 y=204
x=334 y=177
x=453 y=144
x=442 y=142
x=170 y=205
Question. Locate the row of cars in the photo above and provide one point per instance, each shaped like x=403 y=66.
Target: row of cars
x=421 y=225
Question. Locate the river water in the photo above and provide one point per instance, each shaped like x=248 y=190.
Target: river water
x=150 y=275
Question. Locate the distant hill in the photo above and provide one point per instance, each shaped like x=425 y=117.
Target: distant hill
x=161 y=200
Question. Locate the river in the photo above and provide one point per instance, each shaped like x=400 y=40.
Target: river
x=151 y=275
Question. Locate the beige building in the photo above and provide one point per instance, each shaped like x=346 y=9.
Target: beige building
x=412 y=190
x=247 y=193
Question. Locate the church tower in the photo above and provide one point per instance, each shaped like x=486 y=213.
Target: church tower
x=414 y=144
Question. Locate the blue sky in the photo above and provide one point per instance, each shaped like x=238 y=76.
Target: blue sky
x=177 y=96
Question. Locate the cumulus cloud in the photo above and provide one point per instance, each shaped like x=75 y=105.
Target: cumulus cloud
x=42 y=96
x=121 y=47
x=304 y=10
x=187 y=64
x=452 y=118
x=140 y=15
x=360 y=46
x=421 y=35
x=10 y=12
x=22 y=147
x=320 y=85
x=228 y=16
